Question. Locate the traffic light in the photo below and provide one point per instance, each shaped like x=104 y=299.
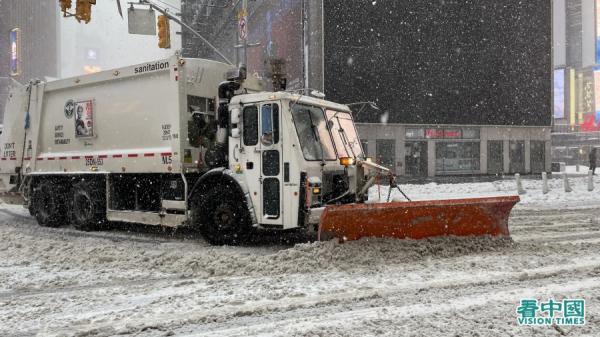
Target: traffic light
x=164 y=32
x=64 y=5
x=83 y=12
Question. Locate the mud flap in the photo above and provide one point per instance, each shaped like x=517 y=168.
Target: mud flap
x=418 y=219
x=13 y=198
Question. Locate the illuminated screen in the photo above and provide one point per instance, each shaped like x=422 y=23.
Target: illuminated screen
x=277 y=26
x=559 y=93
x=441 y=62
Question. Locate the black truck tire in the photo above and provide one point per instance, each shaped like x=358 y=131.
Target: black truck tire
x=49 y=204
x=89 y=205
x=222 y=217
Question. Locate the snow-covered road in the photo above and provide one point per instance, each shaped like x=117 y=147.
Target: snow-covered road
x=56 y=282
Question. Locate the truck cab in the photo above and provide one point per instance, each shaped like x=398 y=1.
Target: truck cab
x=294 y=153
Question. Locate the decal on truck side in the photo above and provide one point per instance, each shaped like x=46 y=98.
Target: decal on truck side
x=69 y=108
x=9 y=150
x=91 y=161
x=152 y=67
x=59 y=136
x=84 y=119
x=166 y=132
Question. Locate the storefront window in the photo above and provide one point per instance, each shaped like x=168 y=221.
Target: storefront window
x=386 y=153
x=457 y=157
x=537 y=155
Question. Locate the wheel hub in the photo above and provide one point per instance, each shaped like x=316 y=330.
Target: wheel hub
x=224 y=217
x=83 y=206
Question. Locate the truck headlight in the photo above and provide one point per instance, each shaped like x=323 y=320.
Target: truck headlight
x=346 y=161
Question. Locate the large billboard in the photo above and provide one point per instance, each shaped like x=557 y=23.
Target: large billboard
x=597 y=31
x=275 y=29
x=442 y=62
x=559 y=93
x=586 y=109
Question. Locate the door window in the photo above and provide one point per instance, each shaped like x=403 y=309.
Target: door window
x=270 y=124
x=517 y=156
x=386 y=153
x=250 y=125
x=271 y=198
x=415 y=158
x=495 y=156
x=538 y=158
x=270 y=163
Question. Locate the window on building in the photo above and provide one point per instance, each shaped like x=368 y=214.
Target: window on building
x=457 y=157
x=537 y=156
x=495 y=156
x=386 y=153
x=516 y=155
x=415 y=159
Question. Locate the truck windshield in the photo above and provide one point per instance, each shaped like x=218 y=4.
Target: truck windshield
x=312 y=132
x=344 y=134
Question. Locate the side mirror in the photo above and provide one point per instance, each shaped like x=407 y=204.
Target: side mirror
x=235 y=116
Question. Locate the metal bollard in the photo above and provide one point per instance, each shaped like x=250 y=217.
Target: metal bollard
x=520 y=188
x=590 y=181
x=545 y=188
x=576 y=167
x=566 y=183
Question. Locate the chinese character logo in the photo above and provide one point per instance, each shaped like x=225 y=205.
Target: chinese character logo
x=552 y=312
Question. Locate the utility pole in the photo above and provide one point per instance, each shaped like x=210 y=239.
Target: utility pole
x=242 y=33
x=245 y=36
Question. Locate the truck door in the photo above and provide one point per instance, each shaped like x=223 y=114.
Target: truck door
x=264 y=160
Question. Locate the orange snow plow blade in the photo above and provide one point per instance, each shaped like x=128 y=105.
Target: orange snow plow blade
x=418 y=219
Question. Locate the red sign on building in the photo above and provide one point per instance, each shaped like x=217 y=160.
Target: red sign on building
x=443 y=133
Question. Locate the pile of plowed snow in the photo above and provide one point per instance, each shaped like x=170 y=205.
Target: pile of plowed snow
x=58 y=253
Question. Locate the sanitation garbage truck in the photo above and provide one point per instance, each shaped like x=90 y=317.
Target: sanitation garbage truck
x=192 y=142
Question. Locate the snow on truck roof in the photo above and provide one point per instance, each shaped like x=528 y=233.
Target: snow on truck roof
x=283 y=95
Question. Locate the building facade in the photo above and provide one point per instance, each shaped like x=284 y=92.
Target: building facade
x=576 y=127
x=460 y=90
x=435 y=150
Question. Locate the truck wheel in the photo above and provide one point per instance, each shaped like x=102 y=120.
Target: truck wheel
x=48 y=204
x=89 y=206
x=222 y=217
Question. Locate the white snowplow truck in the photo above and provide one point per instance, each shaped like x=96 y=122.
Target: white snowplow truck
x=177 y=142
x=191 y=142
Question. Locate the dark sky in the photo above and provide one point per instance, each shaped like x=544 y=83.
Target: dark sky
x=442 y=61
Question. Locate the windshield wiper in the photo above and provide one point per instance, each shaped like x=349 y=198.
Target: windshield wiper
x=346 y=140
